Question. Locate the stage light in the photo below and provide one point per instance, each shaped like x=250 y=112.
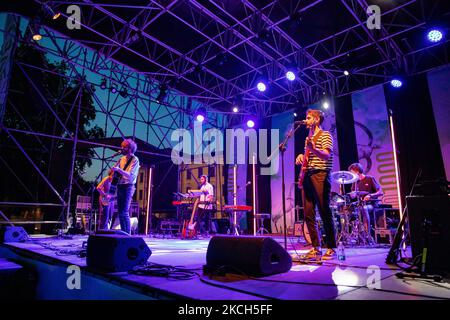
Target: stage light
x=34 y=30
x=200 y=114
x=113 y=88
x=50 y=12
x=235 y=109
x=325 y=105
x=295 y=114
x=435 y=35
x=396 y=83
x=37 y=37
x=250 y=123
x=290 y=75
x=261 y=86
x=103 y=84
x=346 y=73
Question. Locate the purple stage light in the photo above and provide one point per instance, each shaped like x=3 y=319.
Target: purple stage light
x=250 y=123
x=261 y=86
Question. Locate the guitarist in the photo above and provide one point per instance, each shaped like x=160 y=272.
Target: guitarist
x=316 y=164
x=128 y=168
x=105 y=201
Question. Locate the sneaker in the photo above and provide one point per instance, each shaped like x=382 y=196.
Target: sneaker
x=329 y=255
x=312 y=255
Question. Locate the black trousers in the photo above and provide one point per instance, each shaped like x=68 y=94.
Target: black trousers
x=316 y=191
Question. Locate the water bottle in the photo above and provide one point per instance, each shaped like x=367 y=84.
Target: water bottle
x=341 y=252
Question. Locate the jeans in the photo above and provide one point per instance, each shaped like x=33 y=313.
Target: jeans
x=124 y=196
x=316 y=191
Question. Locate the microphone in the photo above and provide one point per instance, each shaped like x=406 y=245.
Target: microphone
x=300 y=122
x=248 y=183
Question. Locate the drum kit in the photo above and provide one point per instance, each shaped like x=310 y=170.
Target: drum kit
x=348 y=209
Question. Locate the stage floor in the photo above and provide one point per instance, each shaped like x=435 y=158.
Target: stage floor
x=363 y=267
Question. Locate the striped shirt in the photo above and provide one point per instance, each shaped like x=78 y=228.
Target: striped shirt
x=325 y=141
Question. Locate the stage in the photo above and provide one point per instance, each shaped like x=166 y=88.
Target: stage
x=49 y=259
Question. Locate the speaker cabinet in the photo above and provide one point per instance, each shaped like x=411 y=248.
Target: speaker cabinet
x=116 y=252
x=429 y=223
x=254 y=256
x=13 y=234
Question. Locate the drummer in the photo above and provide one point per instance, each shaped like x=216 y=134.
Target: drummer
x=368 y=189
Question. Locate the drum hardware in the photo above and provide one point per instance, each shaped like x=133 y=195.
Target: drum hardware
x=349 y=207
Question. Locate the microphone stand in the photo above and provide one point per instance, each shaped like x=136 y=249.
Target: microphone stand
x=282 y=148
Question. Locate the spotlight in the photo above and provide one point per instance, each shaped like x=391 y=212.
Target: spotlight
x=200 y=114
x=435 y=35
x=162 y=93
x=261 y=86
x=235 y=109
x=396 y=83
x=250 y=123
x=37 y=37
x=35 y=26
x=346 y=73
x=325 y=105
x=295 y=114
x=113 y=88
x=103 y=84
x=290 y=75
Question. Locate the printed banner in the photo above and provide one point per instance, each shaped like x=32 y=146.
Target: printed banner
x=374 y=141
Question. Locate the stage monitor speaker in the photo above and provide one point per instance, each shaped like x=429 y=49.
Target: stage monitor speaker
x=434 y=235
x=13 y=234
x=254 y=256
x=116 y=252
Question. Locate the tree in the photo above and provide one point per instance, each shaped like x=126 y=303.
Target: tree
x=27 y=110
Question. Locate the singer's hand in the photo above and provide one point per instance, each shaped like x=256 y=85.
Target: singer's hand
x=299 y=160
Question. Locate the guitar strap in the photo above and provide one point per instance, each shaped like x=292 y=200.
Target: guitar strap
x=128 y=163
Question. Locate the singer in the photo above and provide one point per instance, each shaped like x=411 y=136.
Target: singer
x=317 y=163
x=128 y=168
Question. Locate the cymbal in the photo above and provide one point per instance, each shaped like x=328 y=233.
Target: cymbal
x=343 y=177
